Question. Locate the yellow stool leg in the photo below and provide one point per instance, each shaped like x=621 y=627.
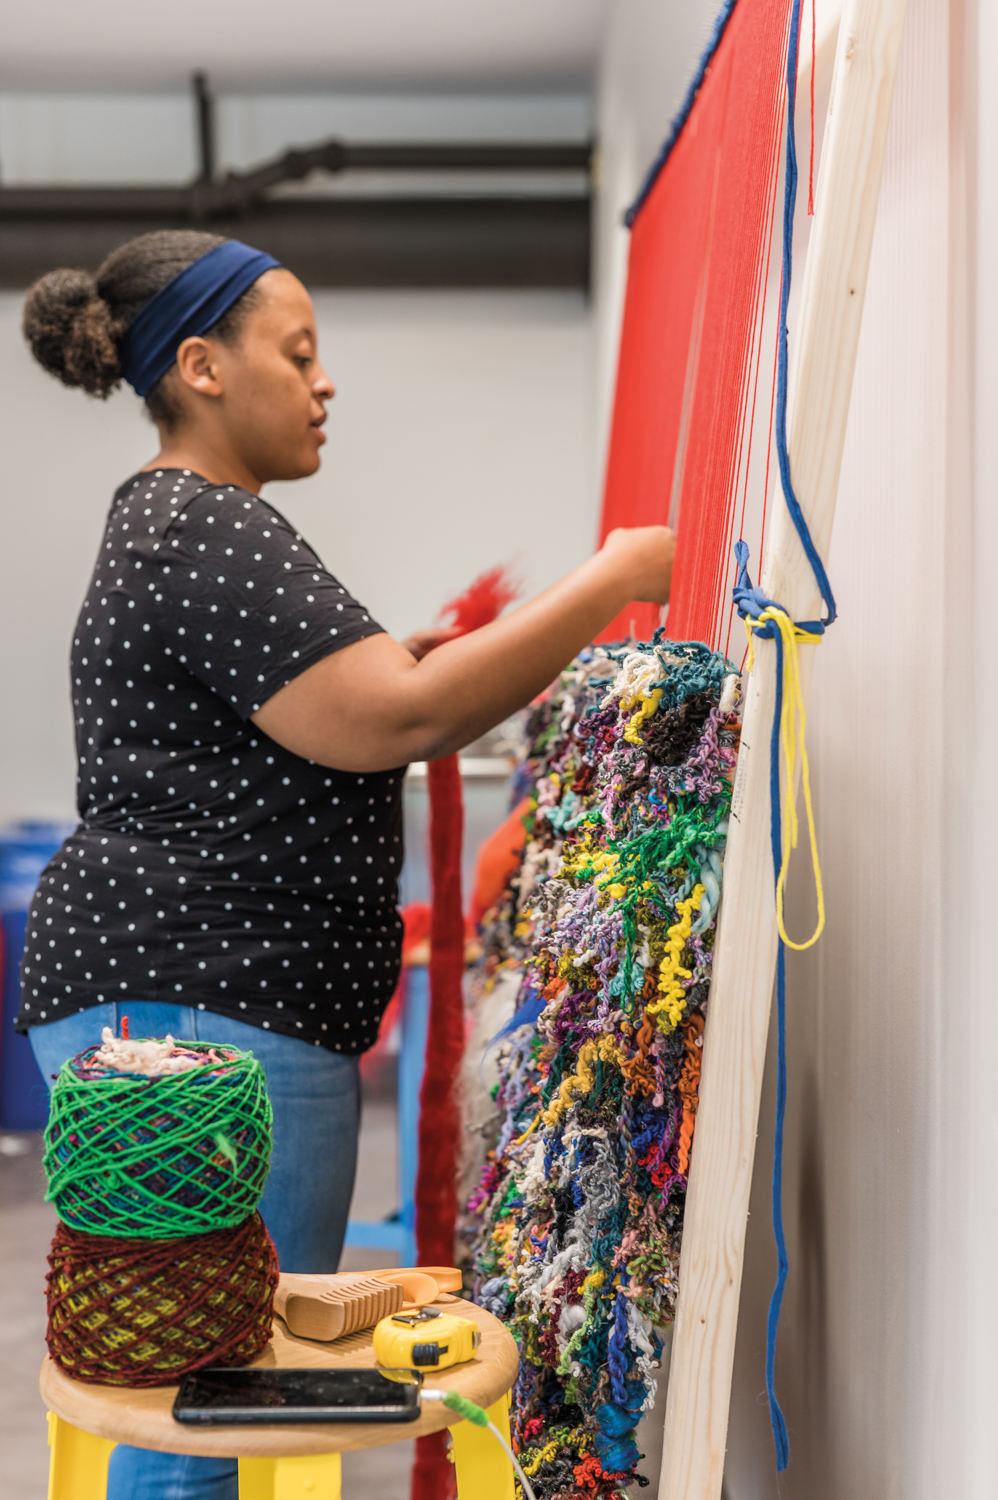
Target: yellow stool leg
x=77 y=1462
x=484 y=1471
x=307 y=1478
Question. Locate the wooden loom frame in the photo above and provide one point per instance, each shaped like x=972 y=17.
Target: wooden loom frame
x=699 y=1394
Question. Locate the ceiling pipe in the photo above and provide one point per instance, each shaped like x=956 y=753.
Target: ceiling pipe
x=237 y=191
x=471 y=239
x=204 y=104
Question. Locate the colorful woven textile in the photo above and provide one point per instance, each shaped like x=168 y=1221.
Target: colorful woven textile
x=140 y=1312
x=157 y=1158
x=610 y=924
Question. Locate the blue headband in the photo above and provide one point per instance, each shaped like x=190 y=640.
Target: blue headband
x=188 y=305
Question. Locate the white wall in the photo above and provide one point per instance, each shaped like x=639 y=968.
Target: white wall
x=434 y=44
x=461 y=436
x=888 y=1355
x=971 y=1080
x=119 y=137
x=871 y=1347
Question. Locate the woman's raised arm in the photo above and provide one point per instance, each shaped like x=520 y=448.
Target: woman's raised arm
x=373 y=706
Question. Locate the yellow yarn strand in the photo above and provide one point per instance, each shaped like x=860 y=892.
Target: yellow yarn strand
x=544 y=1456
x=671 y=996
x=580 y=1082
x=793 y=728
x=648 y=704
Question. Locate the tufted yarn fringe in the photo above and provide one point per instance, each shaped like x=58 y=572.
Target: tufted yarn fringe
x=576 y=1224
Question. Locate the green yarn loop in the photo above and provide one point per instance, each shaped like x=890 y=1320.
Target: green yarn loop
x=159 y=1158
x=467 y=1409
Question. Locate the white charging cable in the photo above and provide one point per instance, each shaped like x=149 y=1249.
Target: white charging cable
x=472 y=1413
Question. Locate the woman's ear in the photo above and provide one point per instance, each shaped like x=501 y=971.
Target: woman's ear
x=198 y=367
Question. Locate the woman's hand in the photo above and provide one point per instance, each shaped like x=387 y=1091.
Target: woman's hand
x=379 y=704
x=645 y=555
x=421 y=642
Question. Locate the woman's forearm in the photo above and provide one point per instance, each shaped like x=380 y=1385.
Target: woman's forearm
x=464 y=687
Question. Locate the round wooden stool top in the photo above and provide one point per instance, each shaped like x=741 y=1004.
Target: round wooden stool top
x=142 y=1418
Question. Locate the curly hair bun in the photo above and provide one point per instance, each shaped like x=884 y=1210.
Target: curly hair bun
x=72 y=333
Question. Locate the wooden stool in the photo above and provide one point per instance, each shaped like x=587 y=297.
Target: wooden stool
x=284 y=1463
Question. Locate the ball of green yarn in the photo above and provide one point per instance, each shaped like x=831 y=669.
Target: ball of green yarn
x=161 y=1157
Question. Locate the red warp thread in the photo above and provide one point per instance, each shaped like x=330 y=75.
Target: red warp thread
x=690 y=340
x=145 y=1312
x=814 y=53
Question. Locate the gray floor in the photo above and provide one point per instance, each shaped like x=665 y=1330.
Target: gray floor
x=26 y=1227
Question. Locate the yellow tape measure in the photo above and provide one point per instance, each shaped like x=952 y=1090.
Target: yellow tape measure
x=426 y=1340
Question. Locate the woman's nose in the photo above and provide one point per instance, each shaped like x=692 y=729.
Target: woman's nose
x=323 y=387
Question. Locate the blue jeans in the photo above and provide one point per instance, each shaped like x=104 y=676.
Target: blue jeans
x=315 y=1096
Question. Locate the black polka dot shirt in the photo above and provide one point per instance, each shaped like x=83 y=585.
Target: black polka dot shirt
x=211 y=868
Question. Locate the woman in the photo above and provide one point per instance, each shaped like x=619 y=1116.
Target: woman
x=243 y=726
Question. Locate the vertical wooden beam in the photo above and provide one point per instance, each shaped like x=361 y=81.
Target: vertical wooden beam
x=696 y=1418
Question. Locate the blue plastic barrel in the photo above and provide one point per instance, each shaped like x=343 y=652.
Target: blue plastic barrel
x=398 y=1232
x=25 y=850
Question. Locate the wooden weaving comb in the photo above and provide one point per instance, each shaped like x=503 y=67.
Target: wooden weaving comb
x=327 y=1307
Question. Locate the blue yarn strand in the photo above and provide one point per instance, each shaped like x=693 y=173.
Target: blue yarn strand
x=683 y=113
x=776 y=1417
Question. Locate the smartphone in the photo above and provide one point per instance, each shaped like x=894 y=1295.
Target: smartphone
x=250 y=1397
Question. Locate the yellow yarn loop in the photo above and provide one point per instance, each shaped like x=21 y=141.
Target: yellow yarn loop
x=580 y=1082
x=793 y=727
x=609 y=1051
x=649 y=703
x=529 y=1131
x=672 y=999
x=547 y=1453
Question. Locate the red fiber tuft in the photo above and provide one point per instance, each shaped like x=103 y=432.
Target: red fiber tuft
x=124 y=1028
x=483 y=601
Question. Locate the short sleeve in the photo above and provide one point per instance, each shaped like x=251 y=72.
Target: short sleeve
x=244 y=602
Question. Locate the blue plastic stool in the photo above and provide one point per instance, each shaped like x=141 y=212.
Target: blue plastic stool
x=399 y=1232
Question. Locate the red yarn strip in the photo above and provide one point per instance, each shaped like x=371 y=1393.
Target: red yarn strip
x=145 y=1312
x=690 y=337
x=433 y=1474
x=439 y=1114
x=439 y=1123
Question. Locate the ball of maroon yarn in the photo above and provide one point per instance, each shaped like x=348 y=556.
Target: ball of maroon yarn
x=145 y=1312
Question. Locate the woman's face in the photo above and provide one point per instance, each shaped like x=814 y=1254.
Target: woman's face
x=268 y=390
